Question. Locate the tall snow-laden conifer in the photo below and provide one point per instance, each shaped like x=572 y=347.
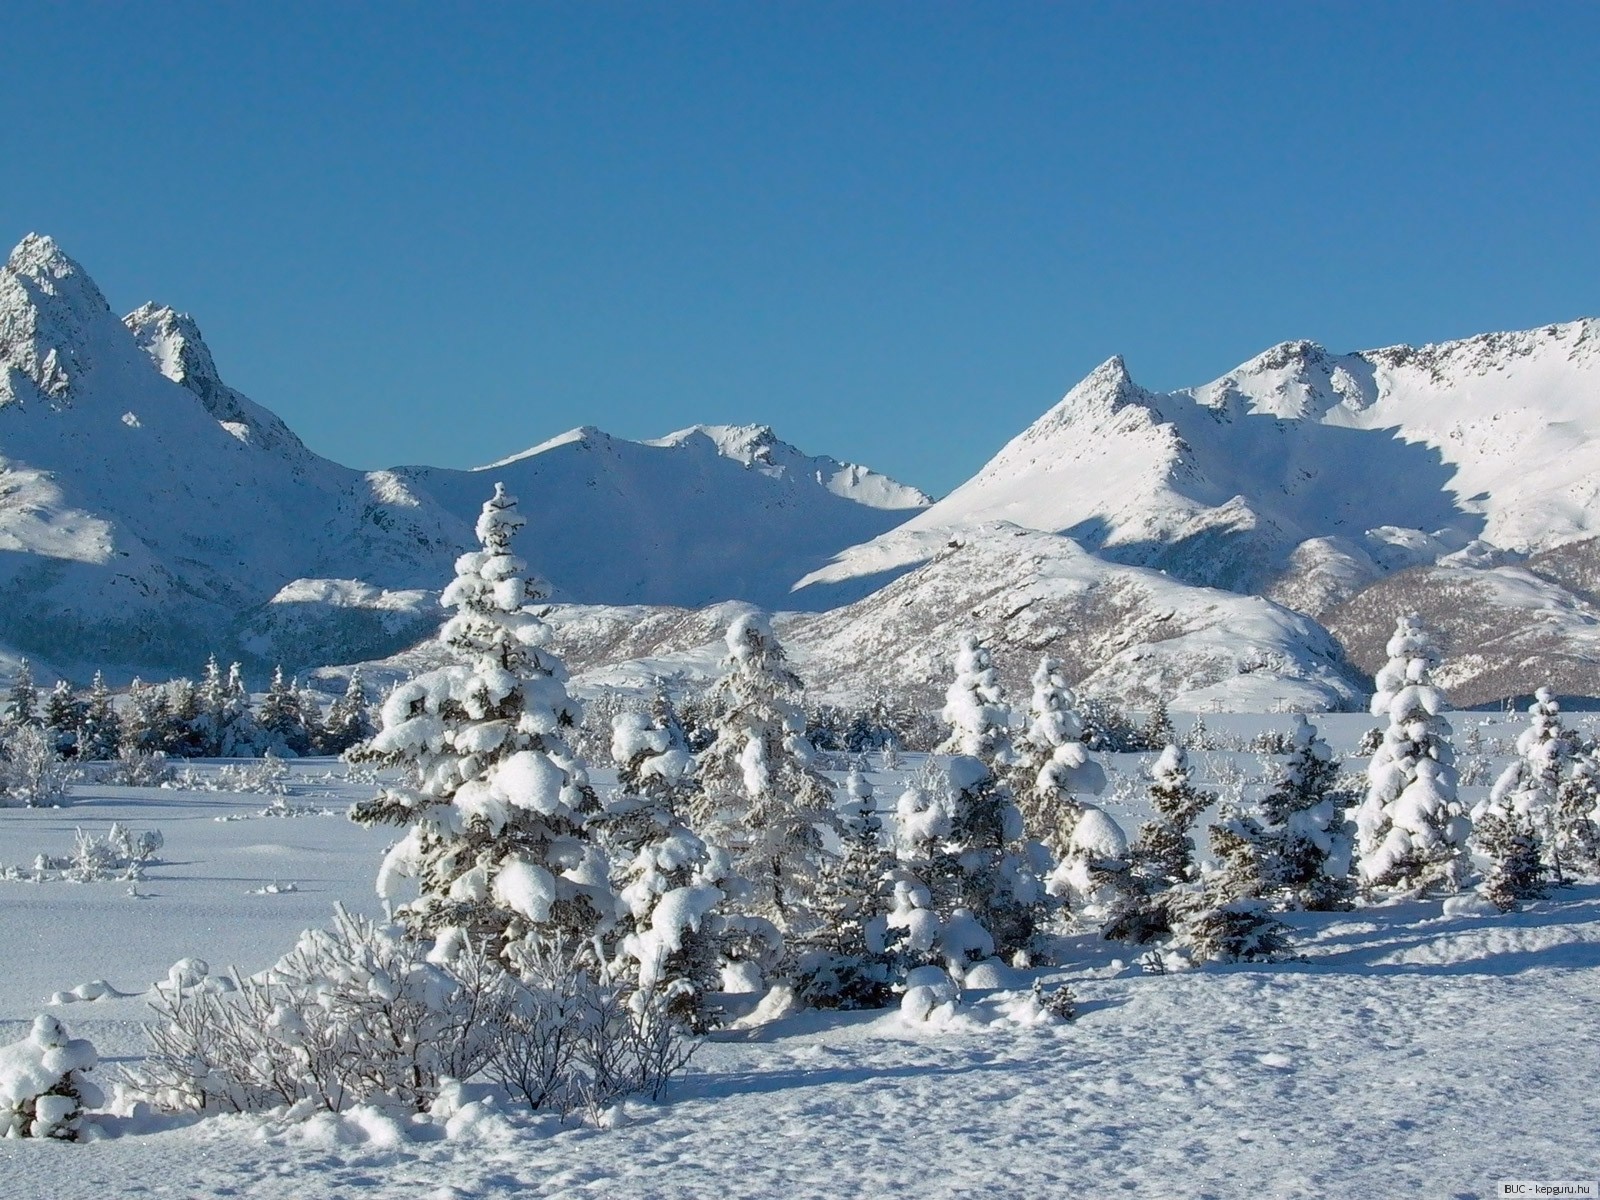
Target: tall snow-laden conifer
x=975 y=708
x=145 y=719
x=672 y=941
x=226 y=723
x=1523 y=805
x=763 y=797
x=1578 y=815
x=993 y=871
x=63 y=717
x=22 y=703
x=1297 y=853
x=101 y=732
x=348 y=722
x=1411 y=830
x=1054 y=767
x=281 y=719
x=847 y=964
x=1158 y=891
x=496 y=803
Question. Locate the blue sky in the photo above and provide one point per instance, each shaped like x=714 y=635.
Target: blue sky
x=896 y=232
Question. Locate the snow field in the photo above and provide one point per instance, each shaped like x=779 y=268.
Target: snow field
x=1410 y=1052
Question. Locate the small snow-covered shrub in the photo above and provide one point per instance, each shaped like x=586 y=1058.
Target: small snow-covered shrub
x=1059 y=1003
x=355 y=1014
x=31 y=774
x=43 y=1089
x=568 y=1043
x=118 y=854
x=136 y=768
x=268 y=777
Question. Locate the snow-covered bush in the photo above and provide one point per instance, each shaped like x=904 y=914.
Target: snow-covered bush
x=117 y=855
x=43 y=1085
x=1220 y=929
x=268 y=777
x=137 y=768
x=1412 y=830
x=353 y=1014
x=565 y=1042
x=495 y=810
x=31 y=773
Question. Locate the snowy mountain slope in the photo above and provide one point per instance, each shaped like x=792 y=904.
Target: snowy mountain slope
x=149 y=513
x=1506 y=630
x=134 y=525
x=1380 y=460
x=1125 y=633
x=706 y=514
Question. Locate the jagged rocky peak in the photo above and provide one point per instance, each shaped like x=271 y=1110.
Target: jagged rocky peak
x=1577 y=341
x=1104 y=392
x=1296 y=380
x=48 y=306
x=173 y=342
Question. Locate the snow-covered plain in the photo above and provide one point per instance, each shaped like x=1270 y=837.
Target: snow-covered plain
x=1408 y=1052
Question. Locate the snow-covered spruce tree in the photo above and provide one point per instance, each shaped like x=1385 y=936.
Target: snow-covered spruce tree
x=1053 y=766
x=225 y=723
x=348 y=722
x=1298 y=853
x=927 y=926
x=847 y=963
x=1158 y=731
x=1411 y=829
x=762 y=796
x=975 y=708
x=1526 y=795
x=996 y=872
x=1093 y=876
x=101 y=732
x=22 y=702
x=63 y=717
x=1578 y=815
x=1159 y=889
x=496 y=804
x=282 y=720
x=185 y=734
x=146 y=720
x=1507 y=839
x=669 y=944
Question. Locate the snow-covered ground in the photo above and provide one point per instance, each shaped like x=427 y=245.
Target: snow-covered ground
x=1408 y=1053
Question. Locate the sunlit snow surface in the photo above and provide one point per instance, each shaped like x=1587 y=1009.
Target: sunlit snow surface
x=1410 y=1053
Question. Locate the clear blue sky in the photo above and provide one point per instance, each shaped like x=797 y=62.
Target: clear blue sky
x=896 y=232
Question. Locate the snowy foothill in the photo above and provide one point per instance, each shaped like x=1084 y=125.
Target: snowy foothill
x=1377 y=1060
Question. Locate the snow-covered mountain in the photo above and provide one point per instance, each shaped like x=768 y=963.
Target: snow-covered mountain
x=1301 y=474
x=150 y=513
x=1125 y=633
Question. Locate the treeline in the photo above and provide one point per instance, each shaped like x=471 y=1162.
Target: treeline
x=180 y=718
